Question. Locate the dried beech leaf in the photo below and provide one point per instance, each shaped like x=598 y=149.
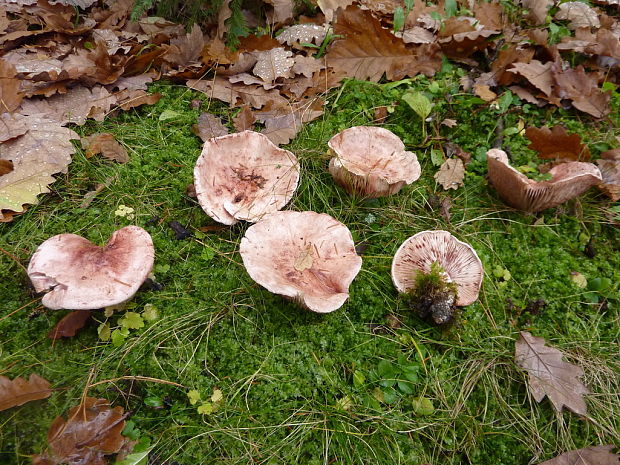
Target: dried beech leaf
x=549 y=375
x=451 y=174
x=19 y=391
x=274 y=63
x=367 y=51
x=105 y=144
x=70 y=324
x=91 y=431
x=209 y=126
x=596 y=455
x=303 y=33
x=556 y=144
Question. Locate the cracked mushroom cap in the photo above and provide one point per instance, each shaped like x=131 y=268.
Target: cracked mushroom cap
x=371 y=161
x=80 y=275
x=307 y=256
x=458 y=259
x=568 y=180
x=244 y=176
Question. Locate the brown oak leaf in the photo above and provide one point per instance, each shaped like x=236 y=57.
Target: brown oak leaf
x=244 y=120
x=538 y=10
x=235 y=94
x=557 y=144
x=283 y=123
x=91 y=431
x=329 y=7
x=367 y=51
x=537 y=73
x=186 y=49
x=451 y=174
x=303 y=34
x=575 y=84
x=596 y=455
x=10 y=95
x=549 y=375
x=282 y=10
x=105 y=144
x=19 y=391
x=11 y=126
x=209 y=126
x=70 y=324
x=273 y=64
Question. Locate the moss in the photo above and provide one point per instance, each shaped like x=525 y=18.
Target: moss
x=432 y=296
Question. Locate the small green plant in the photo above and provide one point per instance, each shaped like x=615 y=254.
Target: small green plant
x=421 y=105
x=432 y=296
x=400 y=15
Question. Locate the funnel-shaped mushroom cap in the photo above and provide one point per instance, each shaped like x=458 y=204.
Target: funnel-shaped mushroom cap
x=459 y=261
x=307 y=256
x=80 y=275
x=568 y=180
x=244 y=176
x=371 y=161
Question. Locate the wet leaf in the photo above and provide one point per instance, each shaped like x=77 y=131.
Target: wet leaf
x=303 y=34
x=10 y=95
x=273 y=64
x=549 y=375
x=19 y=391
x=105 y=144
x=91 y=431
x=70 y=324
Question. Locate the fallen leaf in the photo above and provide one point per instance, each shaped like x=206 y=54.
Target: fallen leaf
x=484 y=92
x=489 y=14
x=6 y=166
x=578 y=15
x=538 y=9
x=91 y=431
x=367 y=51
x=222 y=15
x=303 y=34
x=11 y=126
x=128 y=99
x=70 y=324
x=306 y=66
x=234 y=94
x=557 y=144
x=283 y=123
x=19 y=391
x=449 y=122
x=187 y=49
x=595 y=455
x=575 y=84
x=537 y=73
x=253 y=43
x=105 y=144
x=10 y=95
x=549 y=375
x=380 y=114
x=273 y=64
x=209 y=126
x=282 y=10
x=329 y=7
x=451 y=174
x=34 y=162
x=244 y=120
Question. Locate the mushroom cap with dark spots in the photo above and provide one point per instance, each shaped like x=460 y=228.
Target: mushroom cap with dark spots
x=568 y=180
x=371 y=161
x=307 y=256
x=244 y=176
x=458 y=259
x=80 y=275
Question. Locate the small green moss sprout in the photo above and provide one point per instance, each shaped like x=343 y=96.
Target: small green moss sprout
x=433 y=296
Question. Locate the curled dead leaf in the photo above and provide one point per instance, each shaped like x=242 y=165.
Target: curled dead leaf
x=451 y=174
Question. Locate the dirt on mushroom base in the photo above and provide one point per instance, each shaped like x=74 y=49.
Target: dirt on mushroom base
x=434 y=297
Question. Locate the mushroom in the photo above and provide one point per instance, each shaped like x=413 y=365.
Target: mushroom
x=244 y=176
x=568 y=180
x=448 y=269
x=307 y=256
x=371 y=161
x=80 y=275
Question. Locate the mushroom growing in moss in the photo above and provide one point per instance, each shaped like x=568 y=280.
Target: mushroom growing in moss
x=244 y=176
x=307 y=256
x=79 y=275
x=438 y=272
x=371 y=161
x=568 y=180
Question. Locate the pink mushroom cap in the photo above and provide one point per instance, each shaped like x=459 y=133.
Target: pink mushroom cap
x=307 y=256
x=458 y=260
x=371 y=161
x=80 y=275
x=568 y=180
x=244 y=176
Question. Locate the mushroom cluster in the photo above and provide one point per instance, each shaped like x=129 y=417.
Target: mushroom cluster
x=244 y=176
x=307 y=256
x=79 y=275
x=440 y=271
x=371 y=161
